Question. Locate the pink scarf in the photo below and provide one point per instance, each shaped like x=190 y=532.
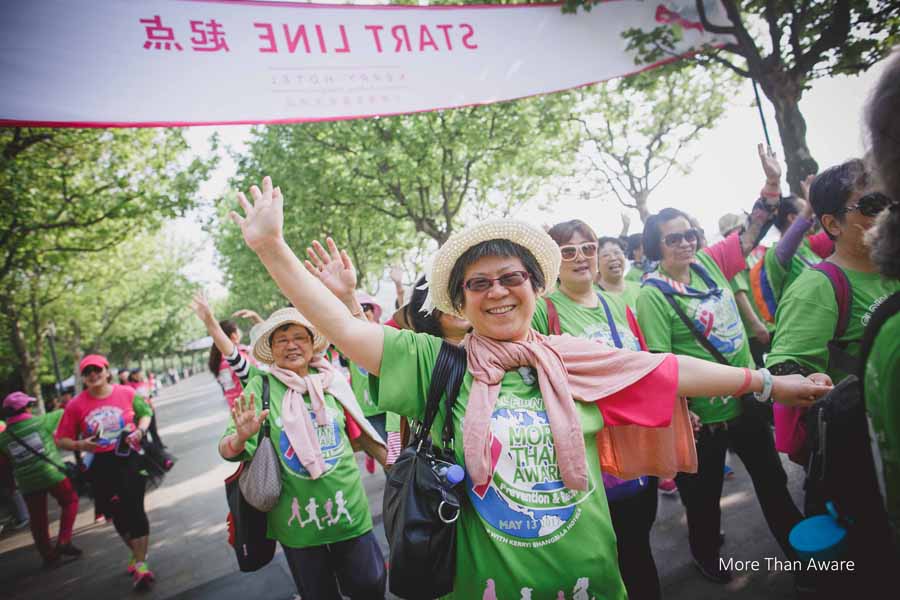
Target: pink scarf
x=295 y=419
x=568 y=369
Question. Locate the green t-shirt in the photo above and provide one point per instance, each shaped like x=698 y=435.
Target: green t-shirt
x=312 y=512
x=629 y=294
x=882 y=393
x=808 y=312
x=523 y=530
x=716 y=315
x=359 y=381
x=781 y=277
x=634 y=274
x=587 y=323
x=31 y=473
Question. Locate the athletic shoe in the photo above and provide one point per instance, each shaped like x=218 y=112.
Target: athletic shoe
x=728 y=472
x=51 y=559
x=21 y=524
x=712 y=570
x=668 y=487
x=69 y=550
x=143 y=576
x=131 y=564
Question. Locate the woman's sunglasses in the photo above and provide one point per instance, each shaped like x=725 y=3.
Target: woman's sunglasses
x=588 y=250
x=507 y=280
x=673 y=239
x=869 y=205
x=88 y=371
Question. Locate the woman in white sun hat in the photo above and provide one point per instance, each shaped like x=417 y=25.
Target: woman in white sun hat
x=322 y=518
x=537 y=520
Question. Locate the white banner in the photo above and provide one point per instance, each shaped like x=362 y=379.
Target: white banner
x=140 y=63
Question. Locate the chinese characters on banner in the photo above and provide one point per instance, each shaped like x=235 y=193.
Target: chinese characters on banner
x=147 y=63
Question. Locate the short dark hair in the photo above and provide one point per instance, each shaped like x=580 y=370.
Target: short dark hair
x=563 y=232
x=653 y=231
x=504 y=248
x=884 y=240
x=884 y=127
x=606 y=239
x=788 y=206
x=422 y=322
x=831 y=188
x=634 y=241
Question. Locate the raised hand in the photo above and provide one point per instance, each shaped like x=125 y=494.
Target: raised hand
x=263 y=220
x=797 y=390
x=333 y=268
x=397 y=275
x=246 y=421
x=771 y=166
x=246 y=313
x=200 y=306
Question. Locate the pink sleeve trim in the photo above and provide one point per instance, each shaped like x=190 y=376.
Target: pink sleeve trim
x=728 y=255
x=648 y=401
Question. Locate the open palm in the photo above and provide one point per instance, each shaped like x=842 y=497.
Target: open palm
x=263 y=220
x=333 y=268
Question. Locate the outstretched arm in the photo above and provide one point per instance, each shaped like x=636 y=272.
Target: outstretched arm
x=698 y=377
x=261 y=226
x=201 y=308
x=763 y=211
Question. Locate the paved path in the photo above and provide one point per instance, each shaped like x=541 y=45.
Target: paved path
x=189 y=551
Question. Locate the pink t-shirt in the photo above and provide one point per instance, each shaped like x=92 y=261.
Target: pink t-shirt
x=728 y=255
x=85 y=416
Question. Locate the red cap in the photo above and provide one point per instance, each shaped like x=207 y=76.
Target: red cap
x=92 y=360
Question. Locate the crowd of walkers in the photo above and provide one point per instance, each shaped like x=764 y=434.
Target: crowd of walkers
x=565 y=441
x=585 y=389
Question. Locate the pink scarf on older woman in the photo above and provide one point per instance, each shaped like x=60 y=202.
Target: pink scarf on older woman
x=296 y=421
x=569 y=369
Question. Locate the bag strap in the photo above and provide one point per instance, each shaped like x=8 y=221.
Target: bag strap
x=265 y=430
x=704 y=341
x=613 y=331
x=446 y=377
x=553 y=325
x=838 y=357
x=35 y=452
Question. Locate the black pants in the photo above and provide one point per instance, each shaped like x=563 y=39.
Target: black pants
x=119 y=492
x=632 y=519
x=356 y=565
x=751 y=439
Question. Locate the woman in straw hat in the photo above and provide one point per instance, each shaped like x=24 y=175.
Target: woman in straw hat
x=528 y=408
x=322 y=518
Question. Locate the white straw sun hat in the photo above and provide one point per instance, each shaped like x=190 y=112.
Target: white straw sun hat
x=261 y=332
x=534 y=239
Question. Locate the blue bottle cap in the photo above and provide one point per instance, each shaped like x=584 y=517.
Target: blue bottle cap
x=454 y=474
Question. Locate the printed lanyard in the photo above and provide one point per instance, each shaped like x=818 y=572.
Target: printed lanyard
x=609 y=319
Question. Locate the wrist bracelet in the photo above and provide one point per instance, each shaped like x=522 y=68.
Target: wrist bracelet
x=768 y=382
x=748 y=379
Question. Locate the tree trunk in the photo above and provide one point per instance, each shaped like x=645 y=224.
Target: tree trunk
x=28 y=362
x=77 y=352
x=640 y=201
x=785 y=92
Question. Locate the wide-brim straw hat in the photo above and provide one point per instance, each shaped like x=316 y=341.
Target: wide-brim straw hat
x=532 y=238
x=262 y=332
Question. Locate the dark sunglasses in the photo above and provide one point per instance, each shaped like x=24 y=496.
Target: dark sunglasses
x=673 y=239
x=368 y=308
x=507 y=280
x=88 y=371
x=588 y=250
x=869 y=205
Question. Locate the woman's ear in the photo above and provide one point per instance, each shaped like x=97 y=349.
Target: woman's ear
x=832 y=225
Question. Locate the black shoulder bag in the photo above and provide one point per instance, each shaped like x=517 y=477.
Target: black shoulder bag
x=247 y=525
x=420 y=504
